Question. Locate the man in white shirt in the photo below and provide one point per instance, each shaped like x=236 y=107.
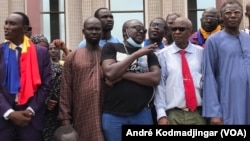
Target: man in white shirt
x=170 y=101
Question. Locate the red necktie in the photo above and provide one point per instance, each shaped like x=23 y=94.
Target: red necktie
x=191 y=102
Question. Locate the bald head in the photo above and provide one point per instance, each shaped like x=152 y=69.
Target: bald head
x=130 y=23
x=65 y=133
x=90 y=20
x=185 y=22
x=173 y=14
x=181 y=31
x=211 y=11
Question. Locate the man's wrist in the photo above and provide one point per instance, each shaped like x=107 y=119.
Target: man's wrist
x=162 y=118
x=31 y=110
x=7 y=114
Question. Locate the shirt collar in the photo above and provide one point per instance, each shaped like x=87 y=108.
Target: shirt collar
x=188 y=49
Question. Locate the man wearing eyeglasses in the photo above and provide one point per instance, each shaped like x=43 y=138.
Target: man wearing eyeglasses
x=168 y=40
x=226 y=97
x=170 y=97
x=156 y=32
x=210 y=23
x=131 y=73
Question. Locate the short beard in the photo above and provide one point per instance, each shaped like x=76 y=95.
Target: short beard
x=107 y=29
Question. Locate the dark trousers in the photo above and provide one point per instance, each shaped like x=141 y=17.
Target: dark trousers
x=154 y=115
x=15 y=133
x=11 y=132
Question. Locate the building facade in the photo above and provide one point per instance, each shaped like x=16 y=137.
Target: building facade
x=63 y=19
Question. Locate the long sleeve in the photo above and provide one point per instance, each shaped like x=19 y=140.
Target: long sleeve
x=43 y=90
x=160 y=95
x=211 y=104
x=65 y=99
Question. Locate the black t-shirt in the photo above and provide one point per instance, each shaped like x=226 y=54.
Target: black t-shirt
x=127 y=97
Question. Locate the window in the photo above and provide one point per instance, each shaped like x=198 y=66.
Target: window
x=53 y=19
x=195 y=10
x=122 y=11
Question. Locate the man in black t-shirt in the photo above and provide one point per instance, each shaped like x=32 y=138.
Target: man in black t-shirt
x=131 y=72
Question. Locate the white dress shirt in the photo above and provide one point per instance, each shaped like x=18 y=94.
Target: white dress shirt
x=170 y=92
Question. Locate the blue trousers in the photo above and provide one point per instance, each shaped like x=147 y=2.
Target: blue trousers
x=112 y=124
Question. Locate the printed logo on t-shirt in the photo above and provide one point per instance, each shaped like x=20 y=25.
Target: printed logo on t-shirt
x=140 y=65
x=121 y=56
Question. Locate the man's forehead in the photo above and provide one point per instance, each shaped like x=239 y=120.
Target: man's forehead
x=105 y=12
x=92 y=22
x=232 y=7
x=14 y=18
x=180 y=22
x=210 y=13
x=135 y=22
x=157 y=21
x=171 y=18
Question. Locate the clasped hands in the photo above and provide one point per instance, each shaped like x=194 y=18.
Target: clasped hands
x=21 y=118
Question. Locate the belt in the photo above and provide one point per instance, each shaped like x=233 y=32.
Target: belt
x=188 y=110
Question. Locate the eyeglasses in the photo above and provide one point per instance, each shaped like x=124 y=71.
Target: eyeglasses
x=138 y=28
x=181 y=29
x=160 y=26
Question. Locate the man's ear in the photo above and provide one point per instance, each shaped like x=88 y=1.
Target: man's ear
x=246 y=14
x=25 y=28
x=83 y=31
x=166 y=31
x=221 y=21
x=124 y=34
